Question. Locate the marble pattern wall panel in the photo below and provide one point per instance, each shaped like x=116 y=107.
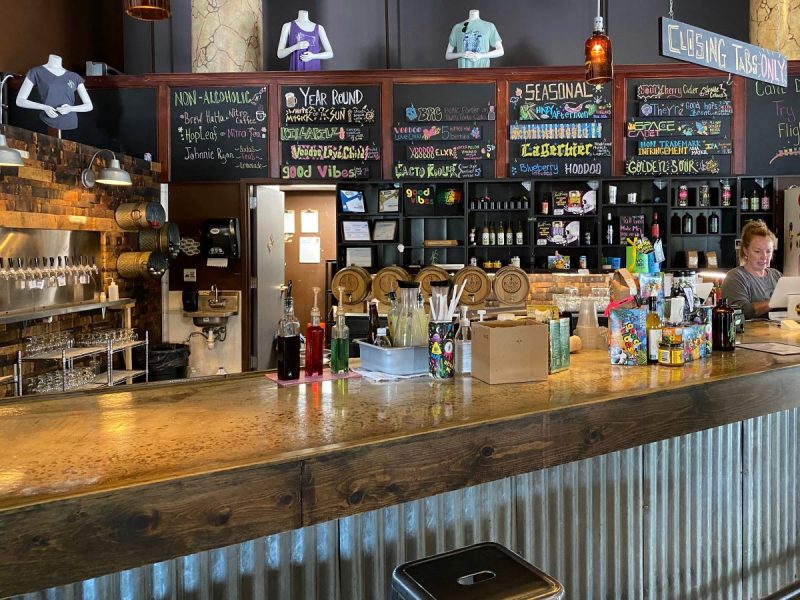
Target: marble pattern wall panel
x=775 y=24
x=226 y=36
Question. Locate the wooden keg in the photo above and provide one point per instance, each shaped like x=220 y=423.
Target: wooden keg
x=135 y=265
x=356 y=283
x=166 y=239
x=428 y=274
x=385 y=281
x=477 y=285
x=511 y=286
x=140 y=215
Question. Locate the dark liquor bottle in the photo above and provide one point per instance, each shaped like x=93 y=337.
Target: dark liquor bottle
x=723 y=328
x=655 y=230
x=288 y=342
x=702 y=224
x=675 y=224
x=374 y=322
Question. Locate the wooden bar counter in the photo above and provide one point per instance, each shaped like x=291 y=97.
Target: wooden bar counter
x=96 y=483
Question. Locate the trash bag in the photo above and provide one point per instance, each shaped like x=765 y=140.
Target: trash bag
x=166 y=361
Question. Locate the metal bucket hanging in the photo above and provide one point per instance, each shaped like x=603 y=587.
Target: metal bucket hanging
x=140 y=215
x=137 y=265
x=166 y=240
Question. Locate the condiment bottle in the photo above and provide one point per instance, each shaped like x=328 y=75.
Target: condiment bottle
x=723 y=328
x=670 y=349
x=315 y=341
x=463 y=341
x=113 y=291
x=381 y=340
x=340 y=343
x=288 y=342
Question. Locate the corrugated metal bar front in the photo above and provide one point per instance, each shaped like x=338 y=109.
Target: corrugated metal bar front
x=693 y=516
x=372 y=544
x=771 y=499
x=581 y=523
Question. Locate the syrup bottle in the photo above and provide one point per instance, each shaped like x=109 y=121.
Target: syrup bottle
x=315 y=341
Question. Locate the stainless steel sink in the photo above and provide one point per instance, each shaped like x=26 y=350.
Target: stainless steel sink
x=215 y=313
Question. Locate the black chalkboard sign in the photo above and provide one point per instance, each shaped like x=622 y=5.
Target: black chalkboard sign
x=773 y=129
x=444 y=131
x=218 y=133
x=559 y=128
x=330 y=132
x=122 y=120
x=678 y=127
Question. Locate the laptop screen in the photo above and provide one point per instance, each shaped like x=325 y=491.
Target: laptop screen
x=784 y=287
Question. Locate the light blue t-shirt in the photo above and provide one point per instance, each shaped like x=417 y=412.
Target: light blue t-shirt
x=473 y=36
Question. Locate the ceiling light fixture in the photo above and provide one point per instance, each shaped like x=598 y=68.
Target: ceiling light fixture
x=112 y=174
x=597 y=57
x=148 y=10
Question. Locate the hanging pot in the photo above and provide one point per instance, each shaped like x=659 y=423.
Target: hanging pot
x=166 y=240
x=140 y=215
x=136 y=265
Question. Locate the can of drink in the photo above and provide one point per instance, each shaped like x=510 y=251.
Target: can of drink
x=582 y=262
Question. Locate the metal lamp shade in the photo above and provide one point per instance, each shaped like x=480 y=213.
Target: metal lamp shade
x=8 y=156
x=148 y=10
x=113 y=174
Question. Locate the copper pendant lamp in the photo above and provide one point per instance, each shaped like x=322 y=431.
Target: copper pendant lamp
x=598 y=62
x=148 y=10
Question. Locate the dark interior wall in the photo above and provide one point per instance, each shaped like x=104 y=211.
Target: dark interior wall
x=78 y=30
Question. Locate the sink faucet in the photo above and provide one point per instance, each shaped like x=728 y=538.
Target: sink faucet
x=215 y=291
x=216 y=301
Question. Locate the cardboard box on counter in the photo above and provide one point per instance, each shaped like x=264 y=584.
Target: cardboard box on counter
x=509 y=351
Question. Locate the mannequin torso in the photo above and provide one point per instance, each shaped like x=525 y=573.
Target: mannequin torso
x=305 y=42
x=470 y=41
x=56 y=88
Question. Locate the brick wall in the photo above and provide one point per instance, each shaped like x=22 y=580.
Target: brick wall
x=45 y=193
x=544 y=285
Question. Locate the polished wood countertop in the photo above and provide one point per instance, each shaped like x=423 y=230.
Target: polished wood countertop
x=94 y=483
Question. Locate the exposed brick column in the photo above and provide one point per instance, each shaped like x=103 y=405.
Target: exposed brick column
x=226 y=36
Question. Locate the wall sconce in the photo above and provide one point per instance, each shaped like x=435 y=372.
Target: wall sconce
x=597 y=53
x=148 y=10
x=8 y=156
x=112 y=174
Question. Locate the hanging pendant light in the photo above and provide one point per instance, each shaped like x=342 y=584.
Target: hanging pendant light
x=597 y=53
x=148 y=10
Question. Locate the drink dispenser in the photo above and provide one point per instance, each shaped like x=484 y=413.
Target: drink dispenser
x=220 y=238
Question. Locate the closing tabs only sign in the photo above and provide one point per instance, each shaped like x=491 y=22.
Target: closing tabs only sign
x=702 y=47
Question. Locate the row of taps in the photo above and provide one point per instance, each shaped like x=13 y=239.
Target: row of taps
x=51 y=271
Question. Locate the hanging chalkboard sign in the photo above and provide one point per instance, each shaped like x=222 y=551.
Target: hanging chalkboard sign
x=218 y=133
x=678 y=127
x=330 y=132
x=773 y=129
x=444 y=131
x=559 y=128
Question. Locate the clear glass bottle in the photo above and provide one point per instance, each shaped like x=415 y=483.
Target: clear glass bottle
x=340 y=343
x=509 y=235
x=492 y=235
x=288 y=341
x=485 y=235
x=713 y=223
x=381 y=340
x=463 y=342
x=419 y=323
x=609 y=230
x=315 y=341
x=501 y=235
x=688 y=223
x=755 y=202
x=520 y=234
x=654 y=327
x=404 y=328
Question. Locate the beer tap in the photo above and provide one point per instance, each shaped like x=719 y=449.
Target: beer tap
x=3 y=269
x=62 y=273
x=30 y=276
x=94 y=265
x=19 y=276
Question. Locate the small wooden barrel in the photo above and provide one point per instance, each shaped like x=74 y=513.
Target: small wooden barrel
x=511 y=286
x=356 y=283
x=385 y=281
x=140 y=215
x=428 y=274
x=166 y=240
x=135 y=265
x=477 y=285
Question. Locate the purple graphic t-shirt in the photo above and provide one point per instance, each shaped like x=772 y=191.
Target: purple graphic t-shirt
x=312 y=37
x=55 y=90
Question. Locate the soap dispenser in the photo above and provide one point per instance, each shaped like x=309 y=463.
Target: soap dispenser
x=463 y=342
x=315 y=341
x=113 y=290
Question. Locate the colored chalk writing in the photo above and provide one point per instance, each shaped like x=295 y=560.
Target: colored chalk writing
x=671 y=166
x=686 y=108
x=416 y=133
x=318 y=133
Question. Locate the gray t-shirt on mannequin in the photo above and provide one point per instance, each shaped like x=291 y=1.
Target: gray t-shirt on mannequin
x=55 y=90
x=742 y=288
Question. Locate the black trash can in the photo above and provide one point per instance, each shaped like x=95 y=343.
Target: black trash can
x=166 y=361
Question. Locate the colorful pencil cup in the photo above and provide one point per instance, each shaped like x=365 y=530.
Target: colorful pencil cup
x=441 y=349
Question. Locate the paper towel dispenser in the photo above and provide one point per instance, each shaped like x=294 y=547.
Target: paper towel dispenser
x=220 y=238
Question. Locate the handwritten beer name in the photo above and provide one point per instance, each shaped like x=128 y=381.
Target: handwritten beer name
x=333 y=152
x=323 y=114
x=671 y=128
x=459 y=152
x=565 y=150
x=555 y=131
x=647 y=91
x=321 y=133
x=519 y=168
x=671 y=166
x=680 y=147
x=414 y=133
x=468 y=170
x=432 y=114
x=686 y=108
x=565 y=111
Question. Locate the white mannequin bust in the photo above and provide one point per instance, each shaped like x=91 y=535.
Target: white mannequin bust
x=461 y=44
x=306 y=26
x=55 y=67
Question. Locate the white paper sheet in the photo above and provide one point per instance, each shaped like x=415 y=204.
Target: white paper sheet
x=288 y=221
x=309 y=250
x=309 y=221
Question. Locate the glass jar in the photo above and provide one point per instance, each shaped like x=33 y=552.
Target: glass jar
x=726 y=195
x=404 y=328
x=670 y=349
x=683 y=196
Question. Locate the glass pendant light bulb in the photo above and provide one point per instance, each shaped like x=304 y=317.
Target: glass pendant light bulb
x=598 y=62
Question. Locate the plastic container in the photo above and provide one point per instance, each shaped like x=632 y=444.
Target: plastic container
x=394 y=361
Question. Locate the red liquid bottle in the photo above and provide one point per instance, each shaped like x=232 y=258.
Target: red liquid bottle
x=315 y=341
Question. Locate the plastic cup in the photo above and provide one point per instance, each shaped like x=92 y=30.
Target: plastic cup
x=587 y=317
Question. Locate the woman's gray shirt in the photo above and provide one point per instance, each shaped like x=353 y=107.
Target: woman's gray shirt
x=742 y=288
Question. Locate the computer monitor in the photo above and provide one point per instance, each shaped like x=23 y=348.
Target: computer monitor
x=785 y=286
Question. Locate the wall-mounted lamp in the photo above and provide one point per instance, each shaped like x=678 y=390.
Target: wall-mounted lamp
x=148 y=10
x=8 y=156
x=112 y=174
x=597 y=56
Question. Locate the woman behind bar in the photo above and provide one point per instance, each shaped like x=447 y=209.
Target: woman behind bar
x=750 y=285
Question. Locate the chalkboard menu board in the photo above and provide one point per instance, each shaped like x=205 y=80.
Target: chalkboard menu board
x=773 y=129
x=678 y=127
x=444 y=131
x=330 y=132
x=559 y=128
x=218 y=133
